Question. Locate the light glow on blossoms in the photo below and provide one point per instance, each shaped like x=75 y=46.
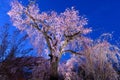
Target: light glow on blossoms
x=54 y=34
x=59 y=28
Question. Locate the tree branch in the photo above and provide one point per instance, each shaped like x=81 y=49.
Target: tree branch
x=71 y=36
x=73 y=52
x=43 y=32
x=68 y=38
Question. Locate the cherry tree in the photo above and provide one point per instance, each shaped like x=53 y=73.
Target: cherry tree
x=51 y=33
x=98 y=62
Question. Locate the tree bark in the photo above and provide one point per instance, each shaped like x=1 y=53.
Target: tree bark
x=54 y=68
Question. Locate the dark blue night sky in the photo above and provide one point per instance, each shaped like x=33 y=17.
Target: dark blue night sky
x=103 y=15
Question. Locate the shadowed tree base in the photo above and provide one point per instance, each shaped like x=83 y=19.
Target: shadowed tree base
x=53 y=77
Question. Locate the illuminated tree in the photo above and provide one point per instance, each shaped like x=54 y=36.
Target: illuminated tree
x=54 y=34
x=59 y=32
x=98 y=62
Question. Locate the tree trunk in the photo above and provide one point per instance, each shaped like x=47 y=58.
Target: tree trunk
x=54 y=68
